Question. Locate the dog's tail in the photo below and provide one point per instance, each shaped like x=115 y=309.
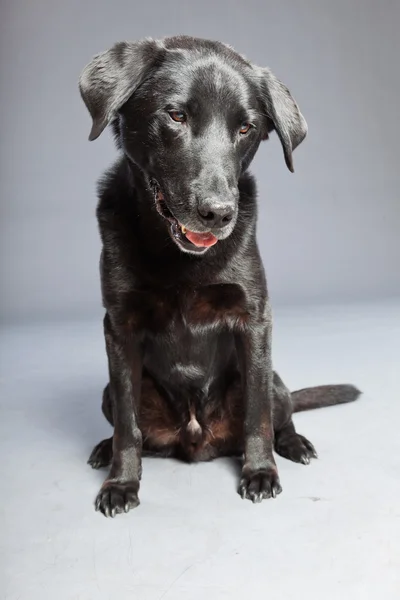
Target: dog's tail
x=324 y=395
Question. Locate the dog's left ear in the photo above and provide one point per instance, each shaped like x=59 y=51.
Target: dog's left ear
x=282 y=114
x=111 y=77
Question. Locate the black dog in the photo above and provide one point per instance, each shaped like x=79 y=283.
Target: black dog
x=188 y=320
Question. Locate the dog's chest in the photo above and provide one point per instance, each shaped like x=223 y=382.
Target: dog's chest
x=159 y=311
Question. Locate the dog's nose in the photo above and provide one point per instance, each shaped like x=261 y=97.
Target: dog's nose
x=215 y=213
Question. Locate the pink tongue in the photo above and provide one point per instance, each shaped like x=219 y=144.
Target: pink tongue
x=201 y=240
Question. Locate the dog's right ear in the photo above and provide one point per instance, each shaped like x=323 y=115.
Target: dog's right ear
x=111 y=77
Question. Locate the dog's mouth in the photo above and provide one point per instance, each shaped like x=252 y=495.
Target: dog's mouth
x=187 y=240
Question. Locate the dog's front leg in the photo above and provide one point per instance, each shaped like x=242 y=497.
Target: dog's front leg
x=259 y=474
x=119 y=492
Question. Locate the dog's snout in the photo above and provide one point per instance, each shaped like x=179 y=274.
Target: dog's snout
x=215 y=213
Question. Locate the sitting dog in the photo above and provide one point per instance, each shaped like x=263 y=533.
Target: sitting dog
x=188 y=319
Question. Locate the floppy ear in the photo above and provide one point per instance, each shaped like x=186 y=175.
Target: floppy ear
x=282 y=114
x=111 y=78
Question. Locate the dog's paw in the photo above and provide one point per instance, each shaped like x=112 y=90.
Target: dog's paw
x=101 y=455
x=115 y=498
x=296 y=448
x=258 y=484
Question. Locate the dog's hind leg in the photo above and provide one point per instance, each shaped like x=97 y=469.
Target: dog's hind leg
x=106 y=405
x=292 y=445
x=288 y=443
x=102 y=454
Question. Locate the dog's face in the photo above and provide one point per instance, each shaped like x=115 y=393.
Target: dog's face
x=190 y=114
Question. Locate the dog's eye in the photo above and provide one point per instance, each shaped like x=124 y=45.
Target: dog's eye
x=177 y=116
x=244 y=128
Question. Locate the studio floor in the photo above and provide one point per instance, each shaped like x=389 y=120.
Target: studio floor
x=333 y=534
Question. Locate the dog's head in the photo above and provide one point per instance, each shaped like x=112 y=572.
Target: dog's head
x=190 y=114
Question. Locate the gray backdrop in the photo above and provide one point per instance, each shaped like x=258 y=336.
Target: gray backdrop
x=329 y=233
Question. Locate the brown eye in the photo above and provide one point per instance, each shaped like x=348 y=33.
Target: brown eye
x=244 y=128
x=177 y=116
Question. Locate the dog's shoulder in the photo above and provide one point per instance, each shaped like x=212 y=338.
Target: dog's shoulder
x=113 y=189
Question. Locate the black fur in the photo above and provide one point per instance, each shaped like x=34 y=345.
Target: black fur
x=188 y=324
